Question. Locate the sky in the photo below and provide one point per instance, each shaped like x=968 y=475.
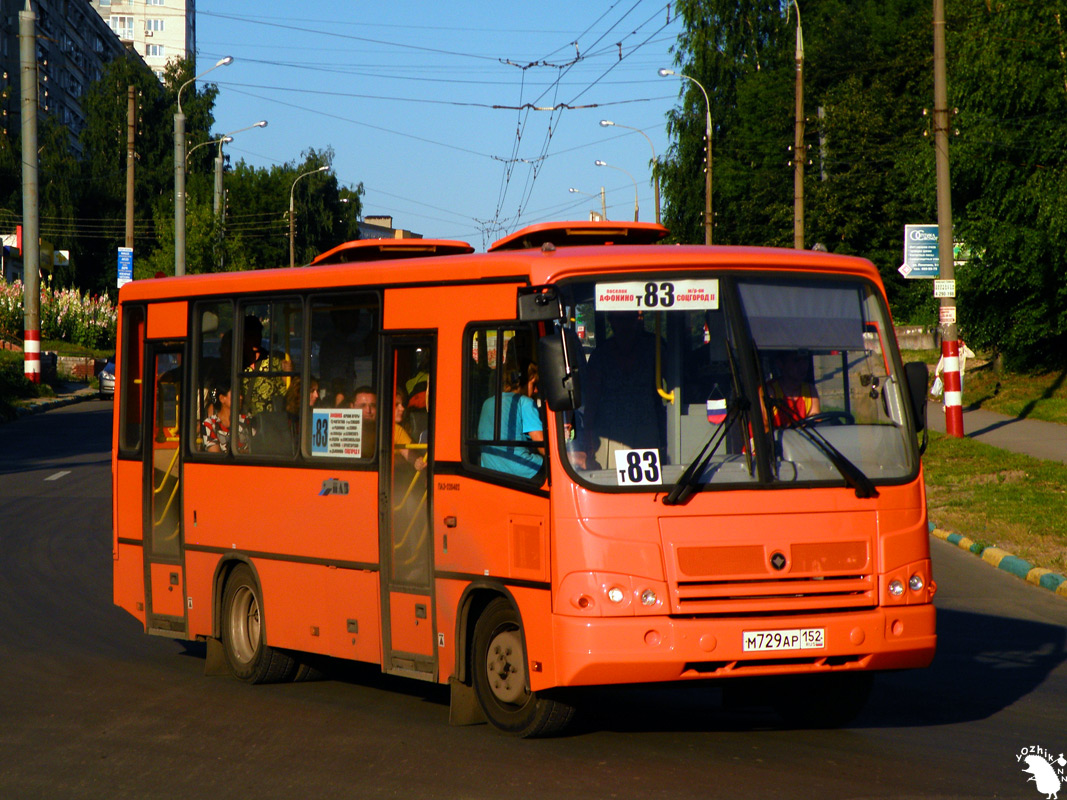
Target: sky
x=463 y=119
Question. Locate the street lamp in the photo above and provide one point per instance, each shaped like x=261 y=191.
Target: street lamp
x=217 y=202
x=603 y=204
x=600 y=163
x=799 y=150
x=292 y=252
x=607 y=123
x=195 y=147
x=179 y=171
x=707 y=139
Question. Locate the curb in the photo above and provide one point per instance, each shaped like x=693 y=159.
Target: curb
x=1001 y=559
x=48 y=403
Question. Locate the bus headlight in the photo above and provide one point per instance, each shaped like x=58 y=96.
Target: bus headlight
x=648 y=598
x=915 y=583
x=896 y=587
x=615 y=595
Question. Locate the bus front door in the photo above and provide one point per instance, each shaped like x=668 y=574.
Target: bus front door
x=406 y=459
x=164 y=573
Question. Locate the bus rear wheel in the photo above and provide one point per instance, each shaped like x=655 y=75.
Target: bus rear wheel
x=247 y=653
x=500 y=680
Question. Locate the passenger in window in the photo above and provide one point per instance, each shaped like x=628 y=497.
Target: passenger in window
x=262 y=391
x=791 y=396
x=519 y=420
x=292 y=403
x=418 y=384
x=215 y=429
x=365 y=399
x=402 y=433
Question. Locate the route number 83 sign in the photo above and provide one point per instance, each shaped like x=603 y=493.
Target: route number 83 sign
x=637 y=467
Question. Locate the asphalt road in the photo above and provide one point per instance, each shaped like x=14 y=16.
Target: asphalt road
x=90 y=707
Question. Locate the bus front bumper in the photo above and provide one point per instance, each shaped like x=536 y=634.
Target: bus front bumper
x=616 y=650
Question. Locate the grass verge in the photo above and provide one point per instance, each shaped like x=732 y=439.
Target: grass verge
x=998 y=498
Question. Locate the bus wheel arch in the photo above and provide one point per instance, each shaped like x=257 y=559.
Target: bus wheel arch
x=242 y=629
x=499 y=676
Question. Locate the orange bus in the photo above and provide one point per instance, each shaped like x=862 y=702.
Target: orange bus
x=581 y=458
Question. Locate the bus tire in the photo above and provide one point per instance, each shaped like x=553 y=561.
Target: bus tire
x=247 y=653
x=499 y=676
x=823 y=701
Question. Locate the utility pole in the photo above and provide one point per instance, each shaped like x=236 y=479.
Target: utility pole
x=800 y=152
x=950 y=346
x=131 y=128
x=31 y=227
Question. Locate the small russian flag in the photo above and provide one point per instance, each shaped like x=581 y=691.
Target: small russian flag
x=716 y=410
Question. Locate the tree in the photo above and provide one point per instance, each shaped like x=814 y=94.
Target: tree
x=1008 y=77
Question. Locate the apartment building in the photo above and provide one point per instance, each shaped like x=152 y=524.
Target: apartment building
x=159 y=30
x=72 y=46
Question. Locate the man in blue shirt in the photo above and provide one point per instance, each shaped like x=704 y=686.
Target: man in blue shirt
x=519 y=421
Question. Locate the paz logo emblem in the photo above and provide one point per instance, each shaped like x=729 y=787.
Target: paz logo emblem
x=778 y=561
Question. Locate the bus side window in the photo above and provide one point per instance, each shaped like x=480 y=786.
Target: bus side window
x=212 y=364
x=343 y=351
x=505 y=430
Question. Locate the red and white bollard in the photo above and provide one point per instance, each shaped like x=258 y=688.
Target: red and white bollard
x=950 y=376
x=31 y=353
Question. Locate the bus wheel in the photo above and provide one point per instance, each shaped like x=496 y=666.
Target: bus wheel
x=250 y=659
x=822 y=701
x=500 y=677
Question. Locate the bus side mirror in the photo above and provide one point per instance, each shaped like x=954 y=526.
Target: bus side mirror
x=539 y=304
x=917 y=376
x=560 y=362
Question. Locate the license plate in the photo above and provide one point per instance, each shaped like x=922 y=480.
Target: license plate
x=793 y=639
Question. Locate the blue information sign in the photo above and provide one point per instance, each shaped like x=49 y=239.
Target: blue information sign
x=125 y=265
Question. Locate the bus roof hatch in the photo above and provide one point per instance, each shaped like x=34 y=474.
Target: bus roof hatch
x=385 y=249
x=574 y=234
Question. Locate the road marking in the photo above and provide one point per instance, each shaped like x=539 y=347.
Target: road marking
x=58 y=475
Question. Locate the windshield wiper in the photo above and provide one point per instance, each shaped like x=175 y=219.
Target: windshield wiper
x=687 y=483
x=852 y=474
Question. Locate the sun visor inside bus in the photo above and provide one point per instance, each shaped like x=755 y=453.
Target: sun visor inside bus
x=815 y=316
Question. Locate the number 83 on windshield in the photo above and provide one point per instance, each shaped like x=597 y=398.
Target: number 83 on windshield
x=637 y=467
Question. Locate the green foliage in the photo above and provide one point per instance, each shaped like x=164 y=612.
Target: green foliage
x=870 y=160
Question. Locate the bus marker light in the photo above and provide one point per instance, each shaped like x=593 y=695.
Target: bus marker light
x=583 y=601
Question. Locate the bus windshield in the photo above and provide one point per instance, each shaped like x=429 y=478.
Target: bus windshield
x=723 y=379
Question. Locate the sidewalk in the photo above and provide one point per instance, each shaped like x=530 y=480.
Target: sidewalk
x=1044 y=440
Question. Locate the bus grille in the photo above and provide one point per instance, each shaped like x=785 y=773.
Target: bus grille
x=740 y=579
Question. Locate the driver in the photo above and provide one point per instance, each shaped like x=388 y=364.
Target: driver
x=791 y=396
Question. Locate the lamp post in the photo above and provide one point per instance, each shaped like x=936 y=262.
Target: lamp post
x=600 y=163
x=292 y=229
x=799 y=150
x=179 y=171
x=707 y=139
x=195 y=147
x=603 y=203
x=606 y=123
x=217 y=200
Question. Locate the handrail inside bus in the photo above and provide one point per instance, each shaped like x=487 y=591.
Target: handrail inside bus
x=668 y=396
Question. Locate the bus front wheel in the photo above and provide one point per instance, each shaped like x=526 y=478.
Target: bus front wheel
x=248 y=655
x=500 y=680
